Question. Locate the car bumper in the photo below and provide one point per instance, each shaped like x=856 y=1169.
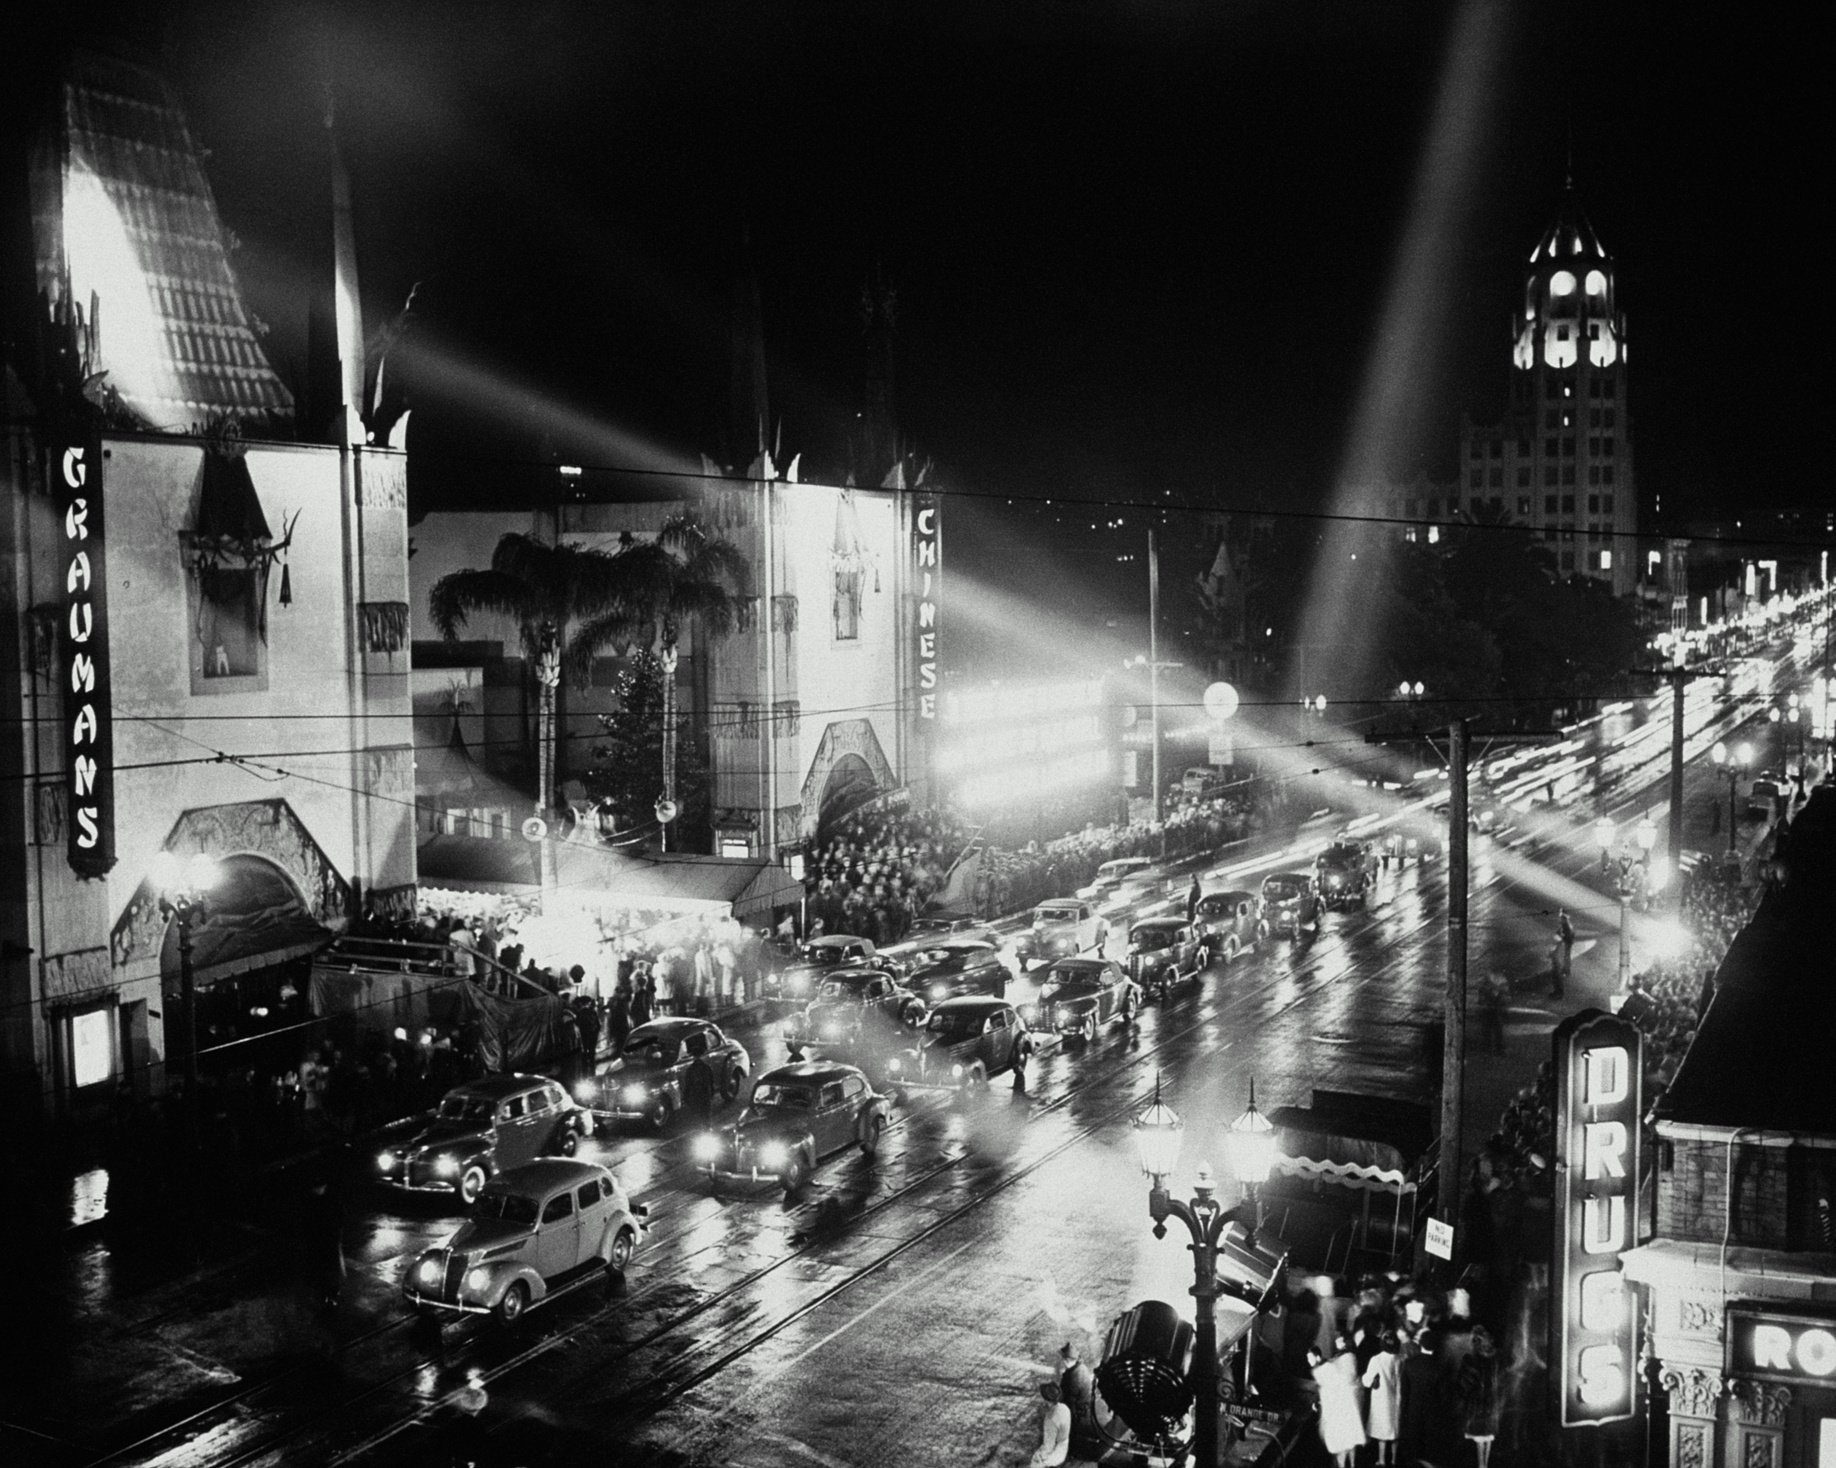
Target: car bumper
x=422 y=1301
x=420 y=1182
x=726 y=1172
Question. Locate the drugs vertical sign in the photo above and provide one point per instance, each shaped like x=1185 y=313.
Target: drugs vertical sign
x=88 y=725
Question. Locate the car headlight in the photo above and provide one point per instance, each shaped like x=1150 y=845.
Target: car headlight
x=706 y=1147
x=956 y=1072
x=773 y=1156
x=585 y=1091
x=385 y=1162
x=634 y=1095
x=446 y=1166
x=430 y=1272
x=939 y=991
x=895 y=1065
x=478 y=1280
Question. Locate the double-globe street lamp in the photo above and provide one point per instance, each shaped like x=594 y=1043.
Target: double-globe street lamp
x=183 y=883
x=1250 y=1145
x=1631 y=869
x=1732 y=761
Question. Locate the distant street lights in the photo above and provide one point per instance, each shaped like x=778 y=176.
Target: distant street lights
x=183 y=883
x=1251 y=1144
x=1793 y=715
x=1732 y=761
x=1631 y=870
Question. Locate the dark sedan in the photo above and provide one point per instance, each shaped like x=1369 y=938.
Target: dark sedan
x=854 y=1007
x=1080 y=995
x=1163 y=952
x=653 y=1079
x=1230 y=923
x=966 y=1041
x=798 y=1115
x=476 y=1132
x=948 y=970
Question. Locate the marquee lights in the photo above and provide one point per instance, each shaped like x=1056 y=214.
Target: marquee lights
x=927 y=547
x=90 y=827
x=1598 y=1073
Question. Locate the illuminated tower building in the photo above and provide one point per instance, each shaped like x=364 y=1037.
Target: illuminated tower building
x=1562 y=459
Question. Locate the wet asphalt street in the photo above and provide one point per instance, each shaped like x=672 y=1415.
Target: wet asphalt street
x=901 y=1311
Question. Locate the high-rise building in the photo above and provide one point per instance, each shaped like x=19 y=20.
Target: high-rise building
x=1561 y=461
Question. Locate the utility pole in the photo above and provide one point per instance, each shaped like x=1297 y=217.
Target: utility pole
x=1453 y=1052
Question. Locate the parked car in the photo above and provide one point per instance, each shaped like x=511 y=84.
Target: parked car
x=1162 y=952
x=798 y=979
x=1230 y=923
x=646 y=1082
x=1404 y=847
x=1766 y=795
x=966 y=1041
x=1345 y=871
x=947 y=927
x=478 y=1131
x=853 y=1007
x=1120 y=882
x=1290 y=902
x=798 y=1115
x=1079 y=995
x=958 y=966
x=535 y=1232
x=1062 y=928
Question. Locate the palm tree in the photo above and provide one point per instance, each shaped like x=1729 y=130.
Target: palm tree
x=685 y=575
x=570 y=602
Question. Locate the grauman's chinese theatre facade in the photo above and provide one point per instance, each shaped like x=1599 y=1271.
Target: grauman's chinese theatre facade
x=204 y=644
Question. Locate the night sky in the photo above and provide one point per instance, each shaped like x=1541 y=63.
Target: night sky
x=1140 y=246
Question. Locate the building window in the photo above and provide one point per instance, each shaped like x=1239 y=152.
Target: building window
x=1568 y=448
x=1593 y=504
x=1568 y=420
x=229 y=646
x=1568 y=474
x=1606 y=474
x=846 y=605
x=1607 y=447
x=1552 y=417
x=1497 y=448
x=1593 y=387
x=1496 y=502
x=1612 y=417
x=1551 y=388
x=1606 y=504
x=1568 y=504
x=1593 y=474
x=1568 y=560
x=1593 y=417
x=1561 y=332
x=1612 y=387
x=1523 y=448
x=1497 y=479
x=1549 y=504
x=1549 y=532
x=1523 y=476
x=1477 y=450
x=1475 y=479
x=1523 y=504
x=89 y=1038
x=1551 y=448
x=1549 y=474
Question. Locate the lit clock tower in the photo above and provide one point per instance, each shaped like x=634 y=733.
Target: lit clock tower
x=1562 y=460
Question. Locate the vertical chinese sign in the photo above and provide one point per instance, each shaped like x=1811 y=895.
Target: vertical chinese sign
x=88 y=726
x=927 y=582
x=1599 y=1067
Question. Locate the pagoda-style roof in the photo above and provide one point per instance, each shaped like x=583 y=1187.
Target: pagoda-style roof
x=1570 y=237
x=124 y=223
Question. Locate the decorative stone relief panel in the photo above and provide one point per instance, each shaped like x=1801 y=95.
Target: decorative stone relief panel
x=50 y=810
x=1759 y=1450
x=1699 y=1315
x=1759 y=1404
x=265 y=828
x=70 y=975
x=1692 y=1445
x=1694 y=1391
x=382 y=481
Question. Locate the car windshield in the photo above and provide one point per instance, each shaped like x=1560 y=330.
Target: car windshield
x=1148 y=939
x=653 y=1050
x=1055 y=915
x=1340 y=855
x=1282 y=889
x=822 y=957
x=955 y=1024
x=1214 y=907
x=773 y=1096
x=848 y=986
x=467 y=1108
x=1069 y=986
x=510 y=1207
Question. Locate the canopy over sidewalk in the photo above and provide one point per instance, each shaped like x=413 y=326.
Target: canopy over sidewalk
x=588 y=875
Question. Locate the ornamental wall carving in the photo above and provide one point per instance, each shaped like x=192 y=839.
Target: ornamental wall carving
x=1762 y=1450
x=1759 y=1404
x=265 y=828
x=382 y=481
x=1694 y=1390
x=72 y=975
x=1699 y=1315
x=842 y=738
x=1692 y=1445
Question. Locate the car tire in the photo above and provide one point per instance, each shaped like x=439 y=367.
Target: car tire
x=1089 y=1032
x=624 y=1245
x=1230 y=948
x=471 y=1183
x=514 y=1302
x=661 y=1114
x=735 y=1082
x=871 y=1131
x=567 y=1144
x=795 y=1175
x=1130 y=1003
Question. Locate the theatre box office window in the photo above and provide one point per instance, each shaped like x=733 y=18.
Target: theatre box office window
x=230 y=556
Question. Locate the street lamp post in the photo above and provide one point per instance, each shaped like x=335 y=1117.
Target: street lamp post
x=183 y=884
x=1630 y=870
x=1157 y=1135
x=1731 y=760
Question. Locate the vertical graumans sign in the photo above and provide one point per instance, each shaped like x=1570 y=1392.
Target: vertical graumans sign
x=88 y=727
x=927 y=581
x=1599 y=1069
